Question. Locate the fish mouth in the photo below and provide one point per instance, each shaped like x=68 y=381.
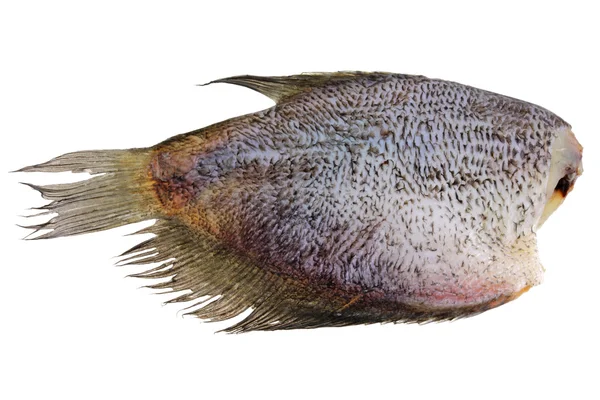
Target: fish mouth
x=565 y=168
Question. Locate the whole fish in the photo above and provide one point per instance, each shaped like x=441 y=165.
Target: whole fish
x=357 y=198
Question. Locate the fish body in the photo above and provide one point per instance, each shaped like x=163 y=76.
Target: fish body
x=357 y=198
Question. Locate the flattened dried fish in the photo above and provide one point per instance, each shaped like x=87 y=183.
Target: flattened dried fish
x=358 y=198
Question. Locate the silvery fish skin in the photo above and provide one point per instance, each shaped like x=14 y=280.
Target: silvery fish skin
x=357 y=198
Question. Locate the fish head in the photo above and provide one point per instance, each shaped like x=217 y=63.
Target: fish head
x=492 y=258
x=565 y=167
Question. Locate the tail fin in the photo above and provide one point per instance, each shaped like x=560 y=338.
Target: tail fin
x=120 y=196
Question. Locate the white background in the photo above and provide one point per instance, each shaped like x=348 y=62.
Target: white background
x=120 y=75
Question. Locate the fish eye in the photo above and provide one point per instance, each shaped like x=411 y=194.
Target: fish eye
x=564 y=185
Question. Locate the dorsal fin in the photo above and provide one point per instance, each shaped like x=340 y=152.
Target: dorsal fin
x=278 y=88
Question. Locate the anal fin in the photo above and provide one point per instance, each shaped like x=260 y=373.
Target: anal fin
x=200 y=269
